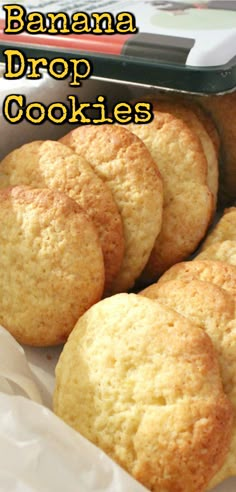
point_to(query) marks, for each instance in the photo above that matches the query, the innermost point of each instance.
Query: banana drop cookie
(188, 202)
(225, 229)
(203, 115)
(214, 310)
(216, 272)
(221, 251)
(207, 122)
(51, 265)
(123, 162)
(143, 384)
(50, 164)
(203, 128)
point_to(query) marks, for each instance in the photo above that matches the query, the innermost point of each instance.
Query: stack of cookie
(140, 389)
(149, 410)
(184, 147)
(145, 409)
(87, 237)
(221, 110)
(204, 291)
(149, 378)
(149, 192)
(124, 163)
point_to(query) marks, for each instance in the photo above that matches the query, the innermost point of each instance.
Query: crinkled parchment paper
(38, 452)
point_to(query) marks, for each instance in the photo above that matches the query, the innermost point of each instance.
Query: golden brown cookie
(215, 272)
(196, 121)
(126, 166)
(51, 265)
(222, 251)
(188, 202)
(225, 229)
(208, 124)
(222, 109)
(202, 114)
(119, 382)
(52, 165)
(214, 310)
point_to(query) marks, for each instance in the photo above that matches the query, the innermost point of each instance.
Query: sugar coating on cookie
(124, 163)
(215, 272)
(188, 203)
(225, 229)
(119, 382)
(51, 265)
(214, 310)
(49, 164)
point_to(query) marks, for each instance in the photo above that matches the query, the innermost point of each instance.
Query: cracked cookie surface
(143, 383)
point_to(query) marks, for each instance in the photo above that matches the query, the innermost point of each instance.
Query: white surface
(38, 452)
